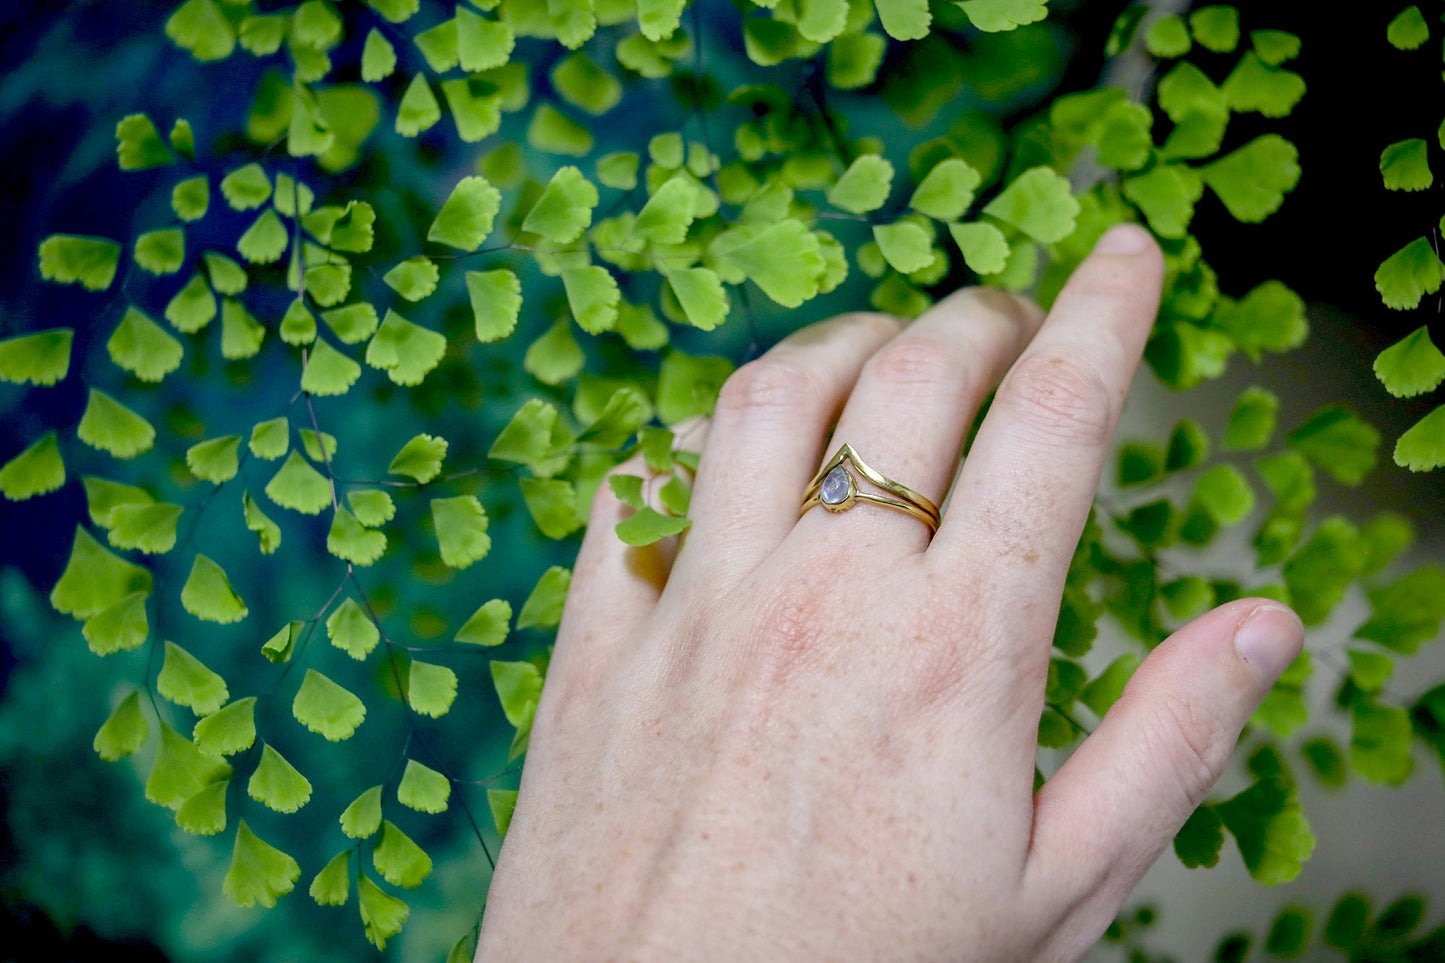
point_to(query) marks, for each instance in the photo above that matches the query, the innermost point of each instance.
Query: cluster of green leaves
(1413, 365)
(614, 254)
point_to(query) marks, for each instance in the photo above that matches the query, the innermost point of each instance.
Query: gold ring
(837, 490)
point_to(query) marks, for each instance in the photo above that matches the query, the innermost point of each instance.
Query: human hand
(814, 738)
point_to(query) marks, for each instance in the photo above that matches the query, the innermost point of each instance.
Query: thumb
(1103, 819)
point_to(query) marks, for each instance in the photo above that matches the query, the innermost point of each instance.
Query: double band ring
(835, 488)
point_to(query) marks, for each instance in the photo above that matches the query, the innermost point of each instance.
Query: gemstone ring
(836, 489)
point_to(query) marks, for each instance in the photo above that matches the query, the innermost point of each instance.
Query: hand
(813, 738)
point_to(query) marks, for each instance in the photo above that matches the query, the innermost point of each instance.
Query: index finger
(1028, 482)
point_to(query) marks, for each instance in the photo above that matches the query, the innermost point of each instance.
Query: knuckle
(1062, 397)
(768, 385)
(792, 633)
(915, 361)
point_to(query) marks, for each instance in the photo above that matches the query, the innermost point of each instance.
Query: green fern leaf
(995, 16)
(112, 427)
(144, 348)
(277, 784)
(327, 708)
(1336, 440)
(350, 541)
(121, 627)
(299, 487)
(502, 803)
(227, 731)
(269, 439)
(399, 860)
(139, 145)
(1270, 827)
(200, 27)
(784, 259)
(226, 275)
(242, 334)
(1216, 28)
(419, 109)
(281, 646)
(947, 191)
(1039, 203)
(193, 306)
(461, 530)
(552, 503)
(421, 788)
(378, 58)
(1168, 37)
(406, 352)
(864, 186)
(38, 470)
(1422, 446)
(94, 579)
(267, 532)
(382, 915)
(352, 323)
(123, 732)
(564, 209)
(543, 607)
(1409, 274)
(215, 460)
(208, 594)
(1252, 180)
(420, 458)
(1408, 30)
(1254, 85)
(332, 886)
(180, 771)
(905, 19)
(487, 625)
(362, 818)
(579, 81)
(592, 294)
(246, 187)
(466, 218)
(476, 108)
(556, 356)
(149, 528)
(1252, 420)
(265, 240)
(191, 198)
(74, 259)
(350, 629)
(1411, 366)
(668, 213)
(482, 44)
(259, 872)
(496, 299)
(328, 371)
(42, 358)
(985, 250)
(103, 496)
(186, 681)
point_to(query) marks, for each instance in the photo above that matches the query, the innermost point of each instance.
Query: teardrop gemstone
(835, 486)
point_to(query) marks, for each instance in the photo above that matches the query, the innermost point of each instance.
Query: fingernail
(1124, 239)
(1269, 638)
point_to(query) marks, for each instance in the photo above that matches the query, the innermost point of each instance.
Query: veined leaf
(519, 686)
(419, 109)
(688, 385)
(1216, 28)
(1273, 835)
(985, 250)
(150, 528)
(536, 438)
(1422, 446)
(461, 529)
(139, 145)
(352, 323)
(327, 708)
(363, 817)
(906, 246)
(267, 532)
(1252, 180)
(144, 348)
(864, 186)
(701, 294)
(1338, 442)
(208, 594)
(112, 427)
(246, 187)
(1408, 30)
(241, 334)
(371, 507)
(592, 294)
(228, 730)
(269, 439)
(556, 356)
(123, 732)
(947, 191)
(192, 305)
(118, 628)
(496, 299)
(378, 57)
(1252, 420)
(94, 579)
(579, 81)
(351, 541)
(186, 681)
(466, 218)
(668, 213)
(200, 27)
(552, 503)
(1039, 203)
(226, 275)
(42, 358)
(180, 771)
(299, 487)
(784, 259)
(646, 525)
(37, 470)
(350, 629)
(543, 607)
(502, 803)
(995, 16)
(215, 460)
(1411, 366)
(265, 240)
(259, 872)
(420, 458)
(406, 352)
(400, 861)
(423, 789)
(564, 209)
(382, 915)
(74, 259)
(191, 198)
(1409, 274)
(905, 19)
(277, 784)
(328, 371)
(487, 625)
(332, 886)
(482, 44)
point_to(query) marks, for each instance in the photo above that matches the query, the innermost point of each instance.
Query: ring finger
(914, 401)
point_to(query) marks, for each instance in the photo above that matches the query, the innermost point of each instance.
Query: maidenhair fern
(692, 173)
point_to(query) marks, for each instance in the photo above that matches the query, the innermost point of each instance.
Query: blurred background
(87, 866)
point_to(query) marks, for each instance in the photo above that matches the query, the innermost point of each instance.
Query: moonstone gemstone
(835, 486)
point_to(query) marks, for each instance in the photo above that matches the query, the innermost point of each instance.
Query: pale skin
(814, 738)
